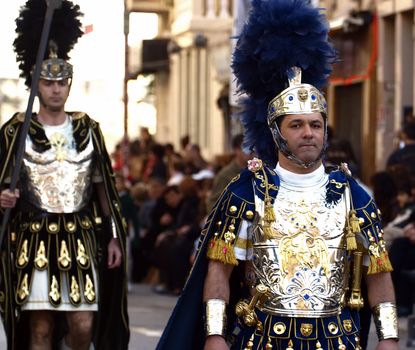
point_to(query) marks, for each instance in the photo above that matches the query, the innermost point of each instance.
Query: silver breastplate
(59, 179)
(304, 266)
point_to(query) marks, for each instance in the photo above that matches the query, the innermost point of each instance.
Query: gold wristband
(215, 322)
(386, 321)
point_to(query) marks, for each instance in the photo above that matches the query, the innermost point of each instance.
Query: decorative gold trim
(81, 255)
(64, 257)
(306, 329)
(54, 293)
(75, 293)
(279, 328)
(41, 261)
(348, 325)
(23, 258)
(89, 289)
(23, 291)
(242, 243)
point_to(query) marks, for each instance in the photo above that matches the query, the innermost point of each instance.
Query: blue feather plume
(279, 34)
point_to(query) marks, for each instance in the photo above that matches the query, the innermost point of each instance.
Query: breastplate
(57, 180)
(305, 265)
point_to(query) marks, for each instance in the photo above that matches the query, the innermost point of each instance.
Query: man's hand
(114, 254)
(8, 198)
(388, 344)
(215, 342)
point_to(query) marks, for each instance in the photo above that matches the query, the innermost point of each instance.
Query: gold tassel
(269, 214)
(379, 264)
(351, 243)
(268, 232)
(354, 222)
(219, 250)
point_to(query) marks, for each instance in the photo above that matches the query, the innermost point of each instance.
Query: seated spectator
(174, 246)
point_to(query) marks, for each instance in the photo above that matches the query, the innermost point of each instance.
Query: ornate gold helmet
(54, 68)
(283, 42)
(298, 98)
(65, 30)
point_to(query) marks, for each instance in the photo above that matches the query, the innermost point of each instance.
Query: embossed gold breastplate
(305, 264)
(58, 180)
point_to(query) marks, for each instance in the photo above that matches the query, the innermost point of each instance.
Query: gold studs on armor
(81, 256)
(290, 345)
(279, 328)
(41, 261)
(23, 259)
(233, 209)
(306, 329)
(318, 345)
(250, 343)
(64, 258)
(75, 293)
(35, 226)
(89, 289)
(54, 293)
(268, 346)
(347, 324)
(53, 227)
(341, 345)
(249, 214)
(333, 328)
(23, 291)
(70, 227)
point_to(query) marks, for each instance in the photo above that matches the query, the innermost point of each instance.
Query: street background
(149, 313)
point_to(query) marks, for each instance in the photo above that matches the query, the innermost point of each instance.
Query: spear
(51, 6)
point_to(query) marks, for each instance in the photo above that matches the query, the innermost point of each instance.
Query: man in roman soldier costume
(283, 252)
(63, 280)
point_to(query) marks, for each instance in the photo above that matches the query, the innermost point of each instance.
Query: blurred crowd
(166, 195)
(394, 192)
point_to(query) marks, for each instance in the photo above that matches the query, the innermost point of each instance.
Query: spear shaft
(51, 6)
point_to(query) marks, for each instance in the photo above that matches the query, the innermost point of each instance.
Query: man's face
(53, 94)
(304, 134)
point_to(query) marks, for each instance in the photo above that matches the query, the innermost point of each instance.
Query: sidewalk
(149, 313)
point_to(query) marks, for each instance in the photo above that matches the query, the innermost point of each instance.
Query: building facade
(370, 91)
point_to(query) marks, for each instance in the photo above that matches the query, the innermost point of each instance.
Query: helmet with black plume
(64, 33)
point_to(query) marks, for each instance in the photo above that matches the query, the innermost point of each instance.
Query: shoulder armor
(369, 217)
(77, 115)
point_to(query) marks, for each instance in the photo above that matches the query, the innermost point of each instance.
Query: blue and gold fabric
(236, 206)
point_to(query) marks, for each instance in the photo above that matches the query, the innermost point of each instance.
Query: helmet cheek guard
(298, 98)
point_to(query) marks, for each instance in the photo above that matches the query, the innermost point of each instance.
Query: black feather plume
(65, 31)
